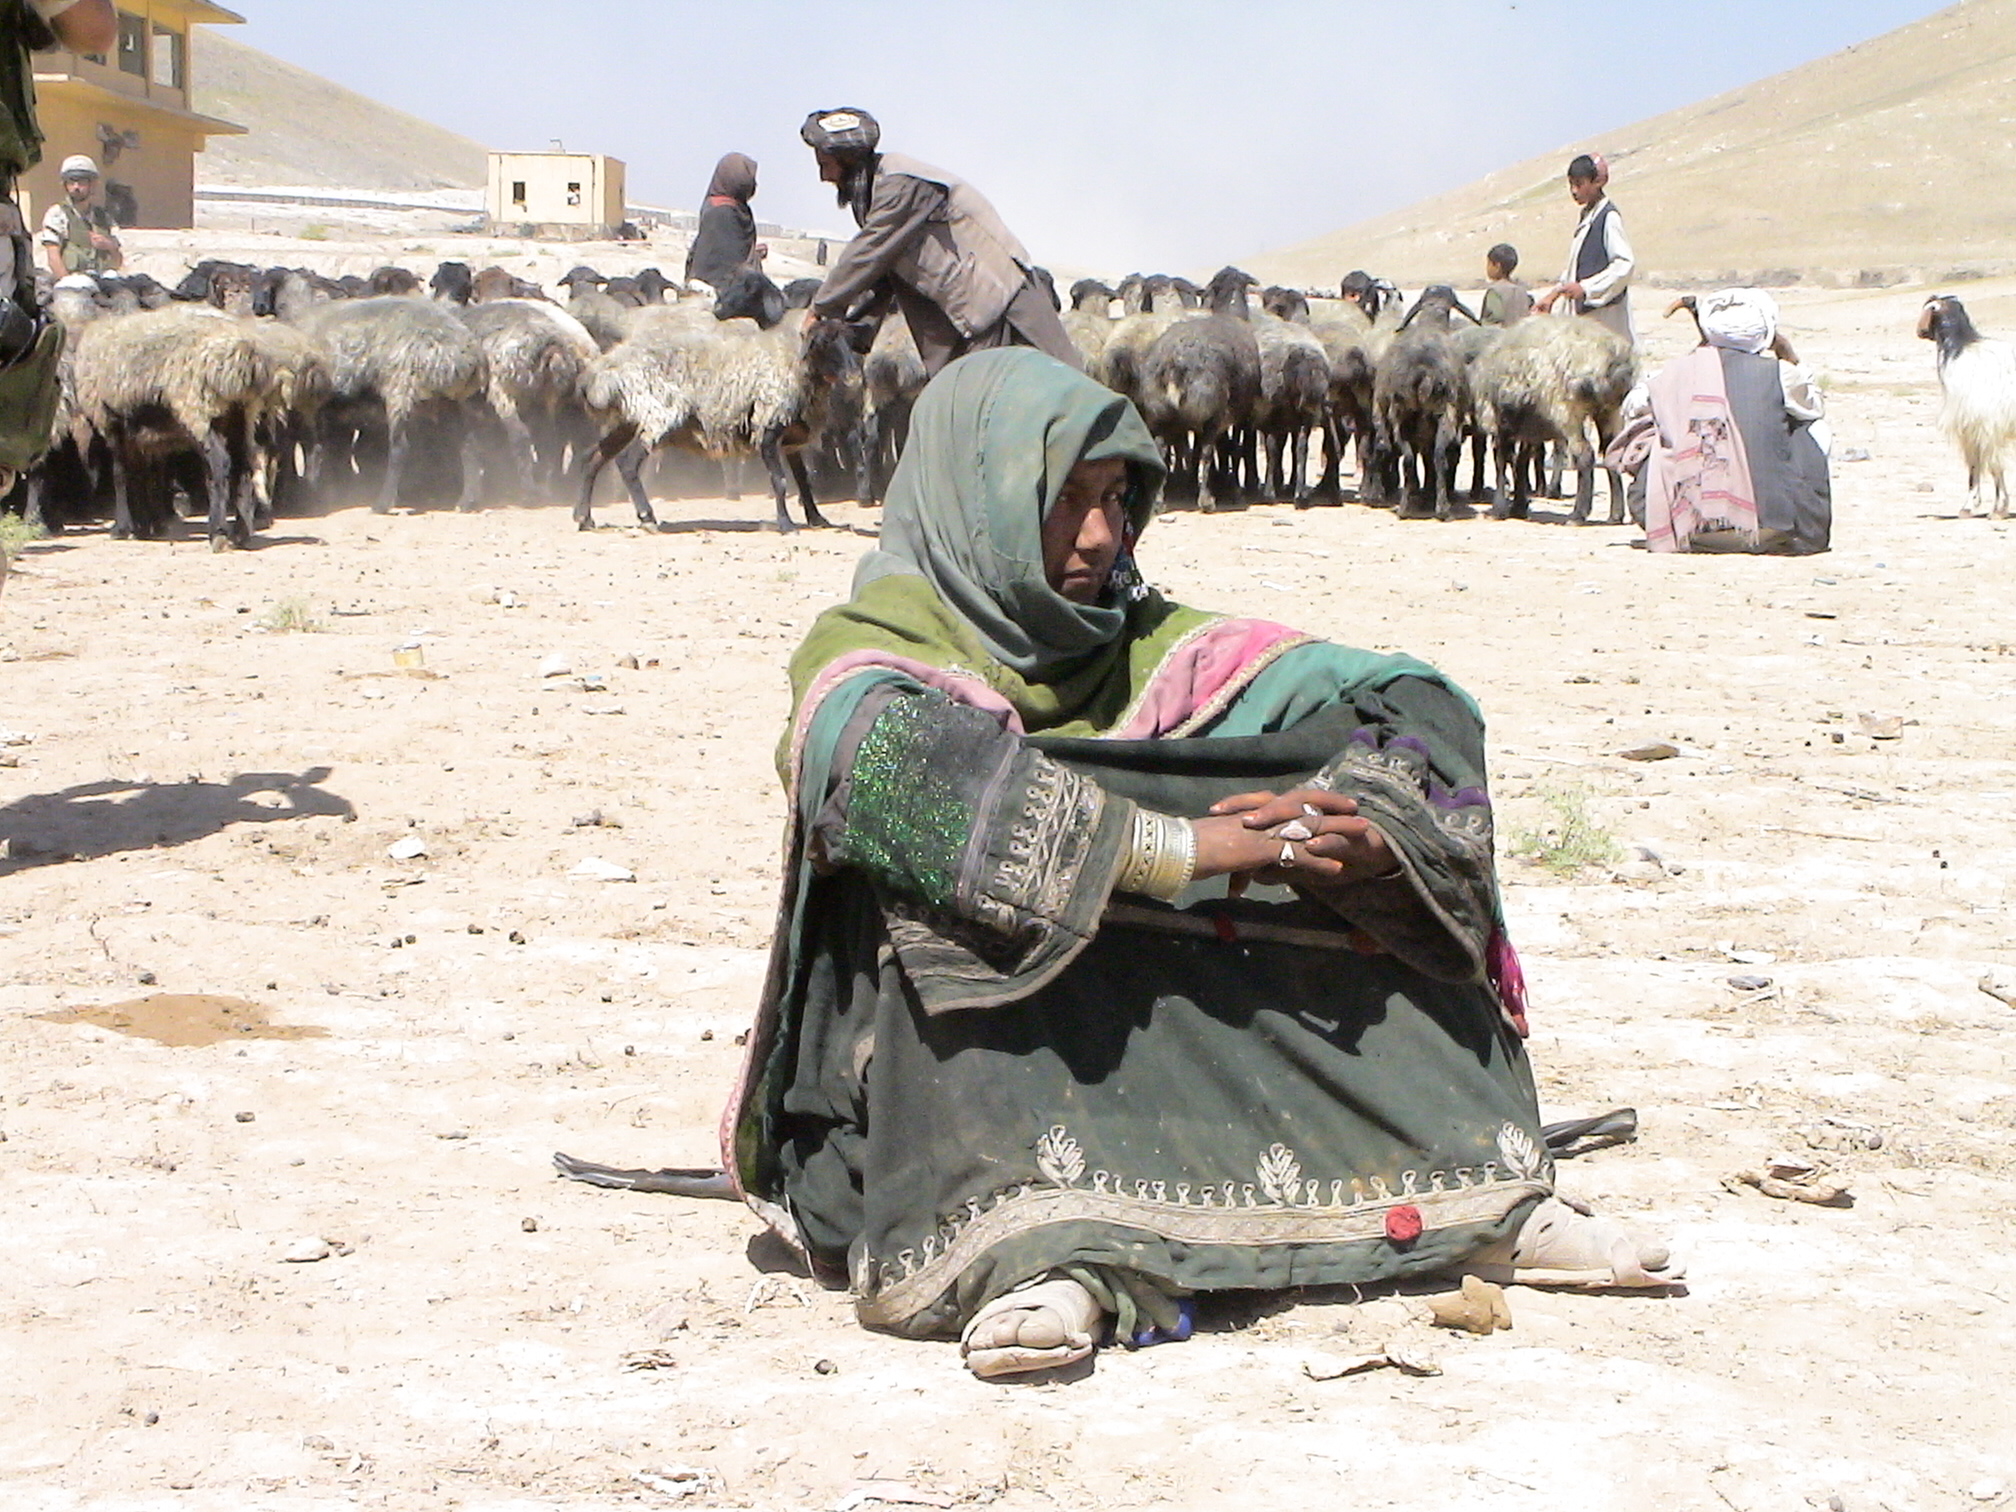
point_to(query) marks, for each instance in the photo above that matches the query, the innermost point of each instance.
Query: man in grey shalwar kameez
(931, 243)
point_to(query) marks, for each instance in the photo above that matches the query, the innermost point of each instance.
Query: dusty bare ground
(207, 805)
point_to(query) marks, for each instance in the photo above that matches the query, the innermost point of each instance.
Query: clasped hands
(1310, 837)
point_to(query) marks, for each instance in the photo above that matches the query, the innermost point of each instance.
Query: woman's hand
(1313, 838)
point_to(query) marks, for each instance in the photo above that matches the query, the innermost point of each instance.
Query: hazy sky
(1111, 134)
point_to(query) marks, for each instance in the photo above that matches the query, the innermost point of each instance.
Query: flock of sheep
(242, 386)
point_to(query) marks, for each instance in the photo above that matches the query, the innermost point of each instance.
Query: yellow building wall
(76, 95)
(161, 171)
(551, 196)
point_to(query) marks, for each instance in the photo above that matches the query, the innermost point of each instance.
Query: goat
(1550, 379)
(1977, 376)
(1420, 396)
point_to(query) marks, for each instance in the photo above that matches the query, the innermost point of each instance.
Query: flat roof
(58, 84)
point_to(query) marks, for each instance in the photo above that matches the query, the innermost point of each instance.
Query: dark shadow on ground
(103, 818)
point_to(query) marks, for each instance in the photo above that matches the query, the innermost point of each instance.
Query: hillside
(308, 132)
(1889, 160)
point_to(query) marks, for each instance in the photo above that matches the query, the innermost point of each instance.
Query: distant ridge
(1888, 161)
(310, 133)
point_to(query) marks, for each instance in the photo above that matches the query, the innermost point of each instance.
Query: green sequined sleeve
(993, 861)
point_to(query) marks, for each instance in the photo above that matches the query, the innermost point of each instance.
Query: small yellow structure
(129, 109)
(575, 196)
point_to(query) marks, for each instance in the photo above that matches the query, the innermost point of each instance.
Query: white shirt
(1615, 275)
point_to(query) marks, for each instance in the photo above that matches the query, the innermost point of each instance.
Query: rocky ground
(289, 1240)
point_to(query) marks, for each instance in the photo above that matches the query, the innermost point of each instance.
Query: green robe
(977, 1062)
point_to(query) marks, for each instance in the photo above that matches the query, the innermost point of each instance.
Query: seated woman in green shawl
(1127, 951)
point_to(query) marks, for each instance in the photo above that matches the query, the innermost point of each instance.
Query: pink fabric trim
(1698, 476)
(1201, 668)
(1501, 965)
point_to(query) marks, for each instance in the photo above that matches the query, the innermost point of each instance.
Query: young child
(1506, 299)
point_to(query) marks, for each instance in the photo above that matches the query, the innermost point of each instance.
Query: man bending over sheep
(931, 243)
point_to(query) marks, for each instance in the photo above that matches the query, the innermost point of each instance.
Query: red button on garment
(1403, 1223)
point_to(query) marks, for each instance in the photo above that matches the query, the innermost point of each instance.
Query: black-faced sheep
(1977, 376)
(1089, 321)
(1200, 382)
(535, 356)
(1294, 391)
(404, 359)
(1420, 396)
(166, 382)
(733, 389)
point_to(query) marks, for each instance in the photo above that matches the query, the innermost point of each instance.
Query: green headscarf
(991, 443)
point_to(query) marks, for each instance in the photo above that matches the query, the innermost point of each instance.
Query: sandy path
(229, 793)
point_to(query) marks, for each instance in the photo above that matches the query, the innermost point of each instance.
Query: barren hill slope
(1888, 159)
(306, 131)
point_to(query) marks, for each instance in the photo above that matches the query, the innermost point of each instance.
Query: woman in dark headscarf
(724, 242)
(1126, 951)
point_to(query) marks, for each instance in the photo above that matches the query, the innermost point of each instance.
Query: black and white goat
(1978, 377)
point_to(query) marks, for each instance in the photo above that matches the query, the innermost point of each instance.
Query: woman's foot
(1040, 1325)
(1562, 1243)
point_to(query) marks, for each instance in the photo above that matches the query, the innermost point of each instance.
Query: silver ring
(1287, 854)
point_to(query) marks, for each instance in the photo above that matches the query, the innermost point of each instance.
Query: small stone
(1658, 751)
(826, 1367)
(147, 979)
(1855, 454)
(410, 848)
(2000, 984)
(1986, 1490)
(627, 663)
(318, 1443)
(530, 1225)
(516, 938)
(245, 1117)
(706, 1035)
(151, 1419)
(556, 665)
(306, 1251)
(595, 869)
(1749, 983)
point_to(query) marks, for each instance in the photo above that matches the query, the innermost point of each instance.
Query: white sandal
(1563, 1243)
(1072, 1319)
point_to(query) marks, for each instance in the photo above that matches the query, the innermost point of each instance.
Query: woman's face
(1084, 531)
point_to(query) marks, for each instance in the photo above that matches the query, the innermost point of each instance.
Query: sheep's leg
(396, 441)
(1330, 486)
(617, 441)
(731, 477)
(772, 450)
(1618, 512)
(469, 416)
(1274, 489)
(1585, 480)
(122, 484)
(1476, 461)
(1298, 466)
(217, 475)
(806, 500)
(1206, 445)
(1447, 459)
